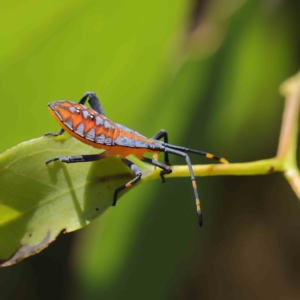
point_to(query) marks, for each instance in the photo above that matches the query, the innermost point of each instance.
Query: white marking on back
(58, 114)
(72, 109)
(80, 129)
(90, 135)
(85, 114)
(100, 139)
(108, 141)
(99, 121)
(108, 126)
(69, 123)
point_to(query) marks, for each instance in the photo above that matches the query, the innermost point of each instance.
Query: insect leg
(94, 102)
(60, 132)
(158, 136)
(166, 169)
(163, 134)
(206, 154)
(77, 158)
(188, 161)
(136, 171)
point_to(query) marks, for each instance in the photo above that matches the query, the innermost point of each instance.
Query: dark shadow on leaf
(103, 178)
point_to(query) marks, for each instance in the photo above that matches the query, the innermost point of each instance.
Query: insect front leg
(136, 171)
(60, 132)
(77, 158)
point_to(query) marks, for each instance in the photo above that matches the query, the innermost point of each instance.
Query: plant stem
(260, 167)
(285, 160)
(287, 148)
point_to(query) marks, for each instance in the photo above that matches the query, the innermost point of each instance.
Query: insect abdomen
(83, 123)
(95, 129)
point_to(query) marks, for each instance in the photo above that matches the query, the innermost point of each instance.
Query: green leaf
(39, 201)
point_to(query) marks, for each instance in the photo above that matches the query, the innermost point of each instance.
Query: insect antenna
(202, 153)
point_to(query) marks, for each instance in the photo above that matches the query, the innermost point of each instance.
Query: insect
(90, 126)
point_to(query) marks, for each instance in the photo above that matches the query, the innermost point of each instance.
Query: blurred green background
(206, 71)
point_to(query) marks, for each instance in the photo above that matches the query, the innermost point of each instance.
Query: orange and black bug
(92, 127)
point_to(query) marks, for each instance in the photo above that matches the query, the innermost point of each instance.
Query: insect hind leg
(136, 171)
(194, 184)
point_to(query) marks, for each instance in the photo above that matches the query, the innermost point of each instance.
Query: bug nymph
(90, 126)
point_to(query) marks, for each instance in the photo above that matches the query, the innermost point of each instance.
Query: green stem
(260, 167)
(285, 160)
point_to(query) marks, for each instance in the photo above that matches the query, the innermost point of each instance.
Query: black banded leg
(60, 132)
(158, 136)
(202, 153)
(188, 161)
(77, 158)
(136, 171)
(94, 102)
(166, 169)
